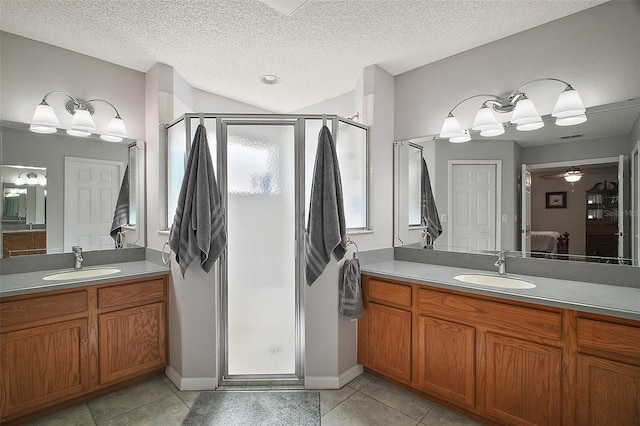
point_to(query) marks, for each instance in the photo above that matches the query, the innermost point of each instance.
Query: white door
(525, 215)
(90, 191)
(473, 206)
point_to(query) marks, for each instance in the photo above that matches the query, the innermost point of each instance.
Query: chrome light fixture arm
(106, 102)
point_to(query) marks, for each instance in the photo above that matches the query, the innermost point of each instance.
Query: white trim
(191, 384)
(498, 218)
(635, 192)
(350, 374)
(322, 382)
(332, 382)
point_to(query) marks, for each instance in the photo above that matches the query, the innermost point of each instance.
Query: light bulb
(525, 112)
(484, 119)
(568, 104)
(450, 127)
(82, 122)
(44, 119)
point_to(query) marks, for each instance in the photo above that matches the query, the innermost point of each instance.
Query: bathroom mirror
(594, 146)
(84, 177)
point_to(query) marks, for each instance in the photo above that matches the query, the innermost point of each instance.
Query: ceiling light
(572, 176)
(270, 79)
(82, 125)
(569, 110)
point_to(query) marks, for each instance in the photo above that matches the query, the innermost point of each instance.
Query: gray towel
(350, 290)
(198, 225)
(326, 230)
(429, 211)
(121, 213)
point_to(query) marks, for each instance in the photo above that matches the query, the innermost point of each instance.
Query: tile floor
(157, 402)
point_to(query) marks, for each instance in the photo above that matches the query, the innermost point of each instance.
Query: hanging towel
(121, 213)
(326, 230)
(198, 225)
(429, 211)
(350, 290)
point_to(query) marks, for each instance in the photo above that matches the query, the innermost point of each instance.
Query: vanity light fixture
(82, 125)
(32, 178)
(568, 111)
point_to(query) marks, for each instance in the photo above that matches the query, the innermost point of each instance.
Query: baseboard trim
(350, 374)
(190, 383)
(333, 382)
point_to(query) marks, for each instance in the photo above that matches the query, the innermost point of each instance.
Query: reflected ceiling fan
(571, 175)
(574, 174)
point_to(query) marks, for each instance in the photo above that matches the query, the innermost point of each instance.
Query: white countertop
(623, 302)
(32, 282)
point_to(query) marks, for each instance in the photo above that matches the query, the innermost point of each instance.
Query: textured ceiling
(224, 46)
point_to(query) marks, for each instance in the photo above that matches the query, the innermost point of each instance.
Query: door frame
(498, 193)
(534, 167)
(297, 379)
(634, 203)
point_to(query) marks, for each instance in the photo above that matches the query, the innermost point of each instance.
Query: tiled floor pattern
(157, 402)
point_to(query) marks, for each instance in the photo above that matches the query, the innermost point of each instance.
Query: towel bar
(349, 242)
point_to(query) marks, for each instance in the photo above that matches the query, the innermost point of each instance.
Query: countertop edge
(136, 269)
(503, 293)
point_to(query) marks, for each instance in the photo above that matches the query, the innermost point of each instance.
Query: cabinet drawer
(486, 315)
(131, 294)
(33, 309)
(388, 293)
(621, 340)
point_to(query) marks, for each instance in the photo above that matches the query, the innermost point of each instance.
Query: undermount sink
(81, 273)
(494, 281)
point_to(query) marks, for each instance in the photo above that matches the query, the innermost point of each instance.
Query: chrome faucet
(77, 254)
(501, 263)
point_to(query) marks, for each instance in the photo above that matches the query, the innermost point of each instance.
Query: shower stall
(264, 166)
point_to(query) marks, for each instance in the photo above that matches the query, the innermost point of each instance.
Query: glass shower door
(261, 325)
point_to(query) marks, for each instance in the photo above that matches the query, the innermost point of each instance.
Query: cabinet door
(608, 392)
(389, 341)
(522, 381)
(132, 341)
(446, 359)
(42, 365)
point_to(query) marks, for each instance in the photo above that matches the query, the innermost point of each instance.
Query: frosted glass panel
(351, 144)
(176, 144)
(261, 273)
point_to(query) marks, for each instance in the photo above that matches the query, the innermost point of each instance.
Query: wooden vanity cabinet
(387, 324)
(512, 363)
(608, 372)
(24, 243)
(65, 345)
